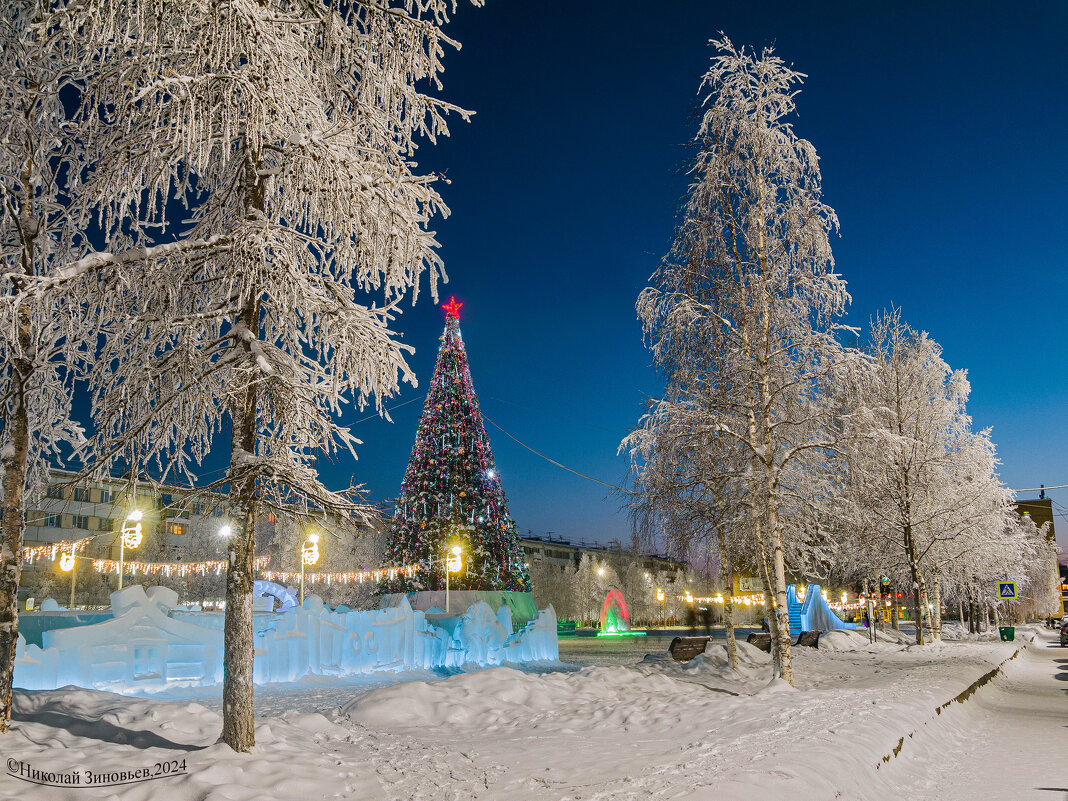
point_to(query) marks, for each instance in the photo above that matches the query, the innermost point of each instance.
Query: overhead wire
(553, 461)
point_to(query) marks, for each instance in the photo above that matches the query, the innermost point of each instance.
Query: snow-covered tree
(287, 129)
(554, 584)
(752, 260)
(926, 496)
(44, 58)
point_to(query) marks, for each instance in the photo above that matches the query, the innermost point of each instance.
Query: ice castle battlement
(151, 644)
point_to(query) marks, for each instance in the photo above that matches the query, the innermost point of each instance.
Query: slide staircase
(811, 612)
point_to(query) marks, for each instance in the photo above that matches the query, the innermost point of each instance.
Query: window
(54, 492)
(167, 499)
(51, 521)
(81, 521)
(105, 496)
(176, 529)
(107, 524)
(81, 494)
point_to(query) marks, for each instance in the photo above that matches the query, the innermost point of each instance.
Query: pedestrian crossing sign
(1007, 590)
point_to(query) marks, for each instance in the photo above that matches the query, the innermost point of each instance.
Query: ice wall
(149, 645)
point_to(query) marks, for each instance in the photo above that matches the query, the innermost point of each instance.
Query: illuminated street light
(130, 537)
(67, 563)
(309, 555)
(453, 564)
(225, 532)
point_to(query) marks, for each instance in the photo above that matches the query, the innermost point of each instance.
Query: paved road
(1008, 741)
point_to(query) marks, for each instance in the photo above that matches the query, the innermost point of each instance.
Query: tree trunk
(14, 457)
(895, 611)
(919, 590)
(769, 605)
(728, 605)
(238, 711)
(14, 520)
(936, 627)
(238, 652)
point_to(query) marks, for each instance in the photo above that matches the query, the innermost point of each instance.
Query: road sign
(1007, 590)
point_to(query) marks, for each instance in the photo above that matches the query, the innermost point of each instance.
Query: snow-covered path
(1008, 741)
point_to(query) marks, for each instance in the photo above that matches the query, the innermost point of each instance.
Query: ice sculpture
(808, 611)
(150, 644)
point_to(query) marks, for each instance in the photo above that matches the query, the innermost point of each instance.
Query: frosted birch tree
(44, 57)
(686, 488)
(757, 230)
(924, 483)
(287, 129)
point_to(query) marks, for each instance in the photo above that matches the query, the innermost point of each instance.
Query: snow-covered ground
(653, 729)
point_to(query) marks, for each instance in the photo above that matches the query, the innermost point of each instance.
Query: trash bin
(1008, 633)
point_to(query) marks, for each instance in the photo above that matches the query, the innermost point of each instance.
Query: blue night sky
(941, 132)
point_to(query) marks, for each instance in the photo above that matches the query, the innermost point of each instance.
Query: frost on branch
(288, 132)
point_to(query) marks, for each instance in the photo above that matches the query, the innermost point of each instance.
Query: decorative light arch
(614, 615)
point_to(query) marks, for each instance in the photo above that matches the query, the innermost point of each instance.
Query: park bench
(683, 649)
(810, 639)
(565, 626)
(760, 640)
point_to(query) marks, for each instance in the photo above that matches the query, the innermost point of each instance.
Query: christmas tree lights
(452, 493)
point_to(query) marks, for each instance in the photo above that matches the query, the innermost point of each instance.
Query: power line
(553, 461)
(1039, 489)
(390, 409)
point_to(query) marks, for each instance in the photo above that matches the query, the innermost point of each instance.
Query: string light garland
(348, 577)
(216, 566)
(54, 549)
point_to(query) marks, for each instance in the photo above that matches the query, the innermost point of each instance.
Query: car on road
(1064, 630)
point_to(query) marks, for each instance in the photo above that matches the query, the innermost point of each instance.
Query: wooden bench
(810, 639)
(760, 640)
(683, 649)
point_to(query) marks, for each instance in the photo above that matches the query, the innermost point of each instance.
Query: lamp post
(130, 537)
(68, 564)
(309, 555)
(453, 564)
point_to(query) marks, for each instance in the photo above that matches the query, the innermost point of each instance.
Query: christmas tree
(452, 494)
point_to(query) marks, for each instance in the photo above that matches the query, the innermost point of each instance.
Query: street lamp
(454, 563)
(662, 599)
(130, 537)
(225, 531)
(309, 555)
(68, 563)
